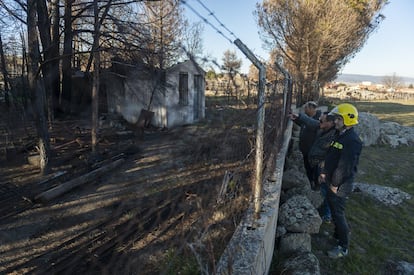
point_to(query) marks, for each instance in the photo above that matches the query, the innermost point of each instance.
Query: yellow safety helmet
(348, 112)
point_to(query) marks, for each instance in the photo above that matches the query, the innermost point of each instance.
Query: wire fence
(170, 207)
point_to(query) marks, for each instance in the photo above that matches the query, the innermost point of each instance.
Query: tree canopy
(317, 38)
(231, 64)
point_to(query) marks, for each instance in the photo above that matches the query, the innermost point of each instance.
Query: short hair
(311, 104)
(330, 118)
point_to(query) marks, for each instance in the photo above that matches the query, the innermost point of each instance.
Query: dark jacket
(308, 128)
(341, 161)
(321, 145)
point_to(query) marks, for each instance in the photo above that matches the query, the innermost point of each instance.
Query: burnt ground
(156, 212)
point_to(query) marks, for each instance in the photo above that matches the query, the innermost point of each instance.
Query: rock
(301, 263)
(393, 140)
(399, 268)
(395, 134)
(292, 178)
(372, 131)
(295, 242)
(384, 194)
(368, 128)
(298, 215)
(280, 231)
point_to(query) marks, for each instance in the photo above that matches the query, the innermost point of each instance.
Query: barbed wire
(185, 2)
(215, 17)
(206, 21)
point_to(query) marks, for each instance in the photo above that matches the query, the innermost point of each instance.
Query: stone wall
(250, 250)
(290, 215)
(298, 217)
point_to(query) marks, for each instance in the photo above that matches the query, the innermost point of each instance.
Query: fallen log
(63, 145)
(52, 177)
(104, 162)
(223, 190)
(67, 186)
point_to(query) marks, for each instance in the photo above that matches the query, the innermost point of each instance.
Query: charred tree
(36, 88)
(67, 58)
(50, 66)
(5, 74)
(95, 86)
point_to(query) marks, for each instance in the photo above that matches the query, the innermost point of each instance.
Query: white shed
(175, 96)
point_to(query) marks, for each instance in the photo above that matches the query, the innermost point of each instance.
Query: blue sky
(389, 50)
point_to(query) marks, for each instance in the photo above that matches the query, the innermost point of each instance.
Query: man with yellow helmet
(339, 171)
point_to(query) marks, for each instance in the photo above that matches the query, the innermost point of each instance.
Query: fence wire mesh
(169, 208)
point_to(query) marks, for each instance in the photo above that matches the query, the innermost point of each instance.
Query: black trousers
(308, 168)
(337, 205)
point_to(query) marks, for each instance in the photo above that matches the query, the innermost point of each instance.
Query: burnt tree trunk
(95, 87)
(96, 57)
(69, 185)
(55, 54)
(35, 88)
(5, 75)
(50, 67)
(67, 58)
(25, 70)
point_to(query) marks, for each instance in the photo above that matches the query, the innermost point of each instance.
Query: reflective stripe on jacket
(341, 161)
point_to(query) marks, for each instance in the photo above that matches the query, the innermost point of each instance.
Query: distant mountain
(358, 78)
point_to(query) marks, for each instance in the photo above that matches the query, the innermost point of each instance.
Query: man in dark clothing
(339, 171)
(307, 133)
(317, 153)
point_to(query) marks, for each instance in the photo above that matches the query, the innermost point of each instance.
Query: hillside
(358, 78)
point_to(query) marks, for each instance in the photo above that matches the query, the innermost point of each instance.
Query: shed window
(183, 89)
